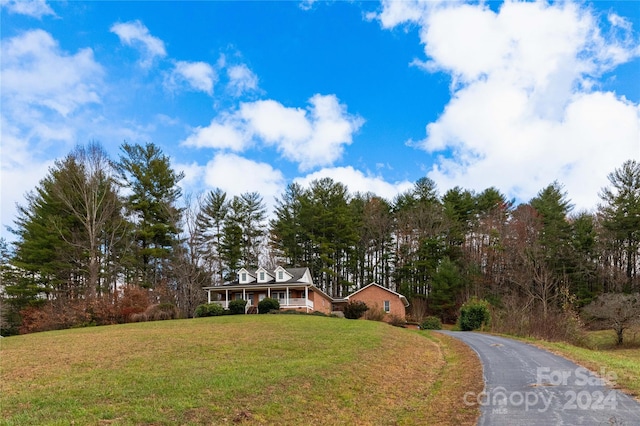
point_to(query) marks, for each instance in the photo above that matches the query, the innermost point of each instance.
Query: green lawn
(253, 369)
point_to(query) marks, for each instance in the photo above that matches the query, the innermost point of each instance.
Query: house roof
(402, 298)
(297, 274)
(297, 277)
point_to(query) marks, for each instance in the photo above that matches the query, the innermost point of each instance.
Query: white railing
(293, 303)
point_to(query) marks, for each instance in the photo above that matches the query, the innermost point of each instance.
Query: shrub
(431, 323)
(397, 321)
(474, 314)
(267, 305)
(209, 310)
(237, 306)
(162, 311)
(133, 300)
(375, 314)
(139, 317)
(355, 309)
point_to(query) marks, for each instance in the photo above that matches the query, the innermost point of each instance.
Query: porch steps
(252, 310)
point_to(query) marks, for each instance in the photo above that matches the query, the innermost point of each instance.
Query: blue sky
(250, 96)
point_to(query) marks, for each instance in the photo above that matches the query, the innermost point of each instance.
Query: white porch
(254, 295)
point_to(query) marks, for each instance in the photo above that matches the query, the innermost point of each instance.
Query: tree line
(99, 240)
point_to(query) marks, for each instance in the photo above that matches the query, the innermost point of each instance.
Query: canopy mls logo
(544, 395)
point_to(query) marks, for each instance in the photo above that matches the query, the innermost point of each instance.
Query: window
(243, 277)
(387, 306)
(261, 276)
(280, 275)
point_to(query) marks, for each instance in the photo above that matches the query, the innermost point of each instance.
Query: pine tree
(210, 223)
(620, 213)
(153, 185)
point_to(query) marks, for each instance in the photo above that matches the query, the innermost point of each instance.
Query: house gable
(365, 289)
(282, 275)
(264, 276)
(246, 277)
(388, 300)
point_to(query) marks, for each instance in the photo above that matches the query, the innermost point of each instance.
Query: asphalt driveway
(525, 385)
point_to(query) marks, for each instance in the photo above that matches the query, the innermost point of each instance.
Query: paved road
(525, 385)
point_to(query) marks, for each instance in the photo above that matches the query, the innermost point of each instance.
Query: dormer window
(280, 276)
(243, 277)
(261, 276)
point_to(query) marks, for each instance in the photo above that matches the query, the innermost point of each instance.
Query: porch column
(306, 298)
(286, 297)
(244, 297)
(208, 296)
(226, 298)
(269, 292)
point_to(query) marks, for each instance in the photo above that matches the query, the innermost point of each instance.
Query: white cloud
(224, 132)
(306, 4)
(27, 77)
(237, 175)
(357, 181)
(241, 79)
(136, 35)
(524, 109)
(40, 108)
(199, 76)
(34, 8)
(312, 137)
(399, 12)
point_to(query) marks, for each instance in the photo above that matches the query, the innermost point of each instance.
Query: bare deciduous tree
(617, 311)
(86, 190)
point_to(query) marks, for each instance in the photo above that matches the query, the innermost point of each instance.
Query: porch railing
(299, 302)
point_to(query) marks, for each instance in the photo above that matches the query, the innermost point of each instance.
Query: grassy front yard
(255, 369)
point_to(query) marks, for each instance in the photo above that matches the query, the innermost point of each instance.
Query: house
(294, 290)
(378, 297)
(292, 287)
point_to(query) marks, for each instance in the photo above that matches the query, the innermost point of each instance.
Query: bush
(431, 323)
(355, 309)
(209, 310)
(397, 321)
(375, 314)
(474, 314)
(162, 311)
(267, 305)
(237, 306)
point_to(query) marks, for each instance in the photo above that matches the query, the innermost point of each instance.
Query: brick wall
(375, 296)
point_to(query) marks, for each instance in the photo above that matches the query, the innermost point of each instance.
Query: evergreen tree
(151, 204)
(620, 213)
(553, 208)
(330, 234)
(373, 252)
(584, 275)
(459, 208)
(419, 234)
(251, 219)
(232, 241)
(210, 224)
(444, 297)
(287, 235)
